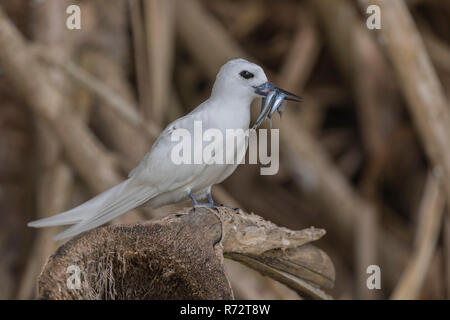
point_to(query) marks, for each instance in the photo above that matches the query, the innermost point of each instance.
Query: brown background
(364, 156)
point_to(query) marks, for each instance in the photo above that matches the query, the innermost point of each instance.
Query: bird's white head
(238, 79)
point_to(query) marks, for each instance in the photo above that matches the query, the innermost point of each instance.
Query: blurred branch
(89, 158)
(428, 228)
(116, 134)
(121, 106)
(188, 248)
(362, 62)
(438, 49)
(97, 167)
(140, 55)
(418, 80)
(160, 25)
(298, 65)
(53, 191)
(55, 178)
(204, 37)
(302, 56)
(363, 66)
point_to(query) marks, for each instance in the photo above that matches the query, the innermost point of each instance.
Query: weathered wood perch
(181, 257)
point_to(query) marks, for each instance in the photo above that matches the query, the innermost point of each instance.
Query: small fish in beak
(266, 106)
(273, 98)
(277, 105)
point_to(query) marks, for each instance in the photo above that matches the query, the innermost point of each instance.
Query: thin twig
(430, 217)
(159, 22)
(140, 54)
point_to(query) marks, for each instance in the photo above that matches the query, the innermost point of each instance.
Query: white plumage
(157, 181)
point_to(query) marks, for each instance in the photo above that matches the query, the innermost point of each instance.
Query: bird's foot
(210, 204)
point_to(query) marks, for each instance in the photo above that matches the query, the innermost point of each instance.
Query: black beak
(265, 88)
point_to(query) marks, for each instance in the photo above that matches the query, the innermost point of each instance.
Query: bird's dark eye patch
(246, 74)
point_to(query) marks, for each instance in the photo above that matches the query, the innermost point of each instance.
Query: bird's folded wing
(157, 168)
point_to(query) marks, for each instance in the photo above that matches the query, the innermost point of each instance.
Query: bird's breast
(230, 116)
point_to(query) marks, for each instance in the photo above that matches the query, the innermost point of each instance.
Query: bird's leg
(198, 204)
(191, 196)
(210, 199)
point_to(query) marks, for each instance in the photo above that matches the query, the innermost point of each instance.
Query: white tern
(157, 180)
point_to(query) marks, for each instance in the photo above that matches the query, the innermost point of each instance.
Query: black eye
(246, 75)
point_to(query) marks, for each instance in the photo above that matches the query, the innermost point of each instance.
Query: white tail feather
(99, 210)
